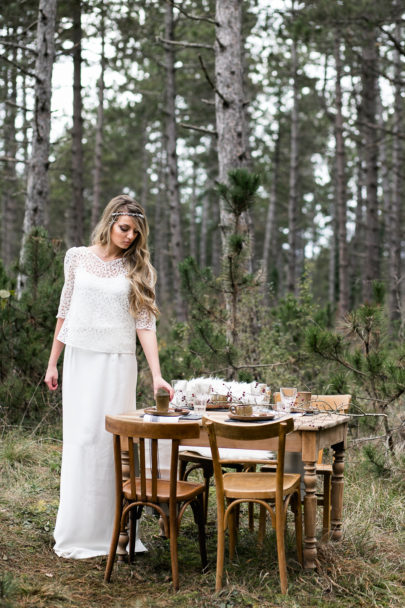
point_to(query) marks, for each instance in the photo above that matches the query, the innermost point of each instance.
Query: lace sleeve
(66, 295)
(145, 320)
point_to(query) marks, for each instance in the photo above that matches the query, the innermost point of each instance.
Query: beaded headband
(128, 213)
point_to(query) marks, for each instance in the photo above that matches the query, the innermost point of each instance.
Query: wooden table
(311, 434)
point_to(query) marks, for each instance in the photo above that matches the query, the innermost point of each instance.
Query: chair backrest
(337, 403)
(130, 429)
(246, 435)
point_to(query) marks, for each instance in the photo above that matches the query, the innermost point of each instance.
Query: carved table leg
(122, 553)
(310, 501)
(337, 491)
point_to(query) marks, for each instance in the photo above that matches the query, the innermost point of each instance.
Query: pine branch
(201, 129)
(212, 85)
(15, 45)
(193, 17)
(16, 65)
(185, 44)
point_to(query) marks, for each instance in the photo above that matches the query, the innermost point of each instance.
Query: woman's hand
(158, 382)
(51, 378)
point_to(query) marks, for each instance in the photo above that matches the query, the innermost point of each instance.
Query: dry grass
(365, 569)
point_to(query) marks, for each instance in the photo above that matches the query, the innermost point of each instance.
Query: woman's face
(123, 232)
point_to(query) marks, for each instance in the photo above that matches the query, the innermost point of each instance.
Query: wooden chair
(331, 403)
(272, 491)
(148, 490)
(190, 461)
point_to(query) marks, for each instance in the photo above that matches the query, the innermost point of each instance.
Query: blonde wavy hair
(141, 273)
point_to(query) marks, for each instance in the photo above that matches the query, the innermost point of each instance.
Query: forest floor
(367, 568)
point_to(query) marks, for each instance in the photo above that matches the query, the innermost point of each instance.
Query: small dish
(170, 412)
(254, 418)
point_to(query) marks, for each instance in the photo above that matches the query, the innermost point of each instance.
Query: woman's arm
(148, 341)
(51, 376)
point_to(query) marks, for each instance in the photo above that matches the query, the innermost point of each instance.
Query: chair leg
(282, 565)
(182, 469)
(173, 548)
(327, 489)
(132, 534)
(208, 473)
(262, 526)
(251, 518)
(297, 509)
(220, 553)
(232, 530)
(114, 543)
(198, 512)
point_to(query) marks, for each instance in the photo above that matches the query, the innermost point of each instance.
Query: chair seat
(185, 490)
(257, 485)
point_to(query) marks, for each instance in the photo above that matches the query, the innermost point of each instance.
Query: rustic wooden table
(311, 434)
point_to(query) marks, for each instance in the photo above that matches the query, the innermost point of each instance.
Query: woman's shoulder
(75, 254)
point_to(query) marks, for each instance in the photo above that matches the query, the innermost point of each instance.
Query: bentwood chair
(274, 492)
(163, 495)
(338, 404)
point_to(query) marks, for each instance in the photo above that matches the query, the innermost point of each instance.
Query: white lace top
(95, 305)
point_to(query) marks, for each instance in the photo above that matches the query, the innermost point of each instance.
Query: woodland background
(265, 140)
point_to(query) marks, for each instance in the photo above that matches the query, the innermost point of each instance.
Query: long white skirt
(94, 384)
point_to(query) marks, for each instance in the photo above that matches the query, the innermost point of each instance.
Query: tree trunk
(161, 240)
(204, 231)
(356, 244)
(369, 109)
(341, 189)
(143, 196)
(193, 209)
(232, 143)
(75, 228)
(98, 148)
(8, 195)
(38, 179)
(293, 181)
(173, 193)
(395, 219)
(385, 161)
(269, 235)
(332, 257)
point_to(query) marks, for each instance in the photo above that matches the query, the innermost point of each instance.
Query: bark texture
(173, 192)
(394, 221)
(341, 189)
(232, 143)
(38, 179)
(9, 177)
(269, 235)
(293, 181)
(75, 227)
(369, 109)
(98, 147)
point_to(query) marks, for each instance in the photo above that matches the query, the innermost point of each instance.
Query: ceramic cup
(241, 410)
(162, 400)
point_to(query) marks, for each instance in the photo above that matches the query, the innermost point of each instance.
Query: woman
(108, 298)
